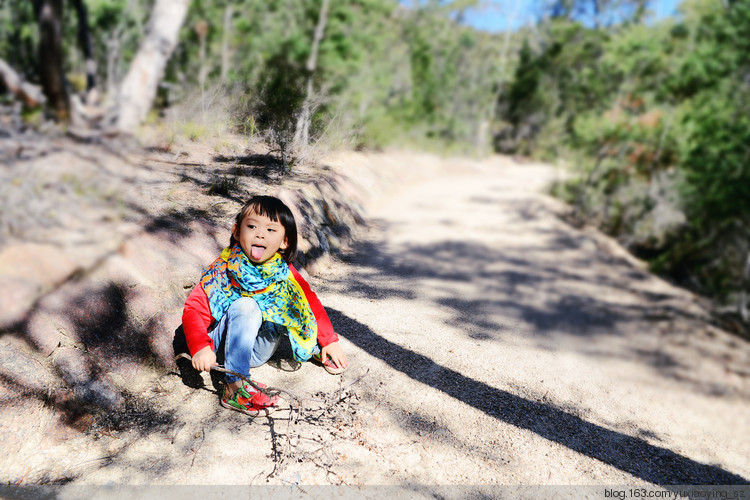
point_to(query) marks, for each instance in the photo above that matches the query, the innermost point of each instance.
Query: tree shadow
(84, 327)
(94, 333)
(190, 376)
(101, 329)
(491, 272)
(101, 342)
(526, 289)
(630, 454)
(268, 167)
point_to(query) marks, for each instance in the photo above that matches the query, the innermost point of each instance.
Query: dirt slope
(496, 343)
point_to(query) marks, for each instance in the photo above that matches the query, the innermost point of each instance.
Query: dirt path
(513, 348)
(500, 346)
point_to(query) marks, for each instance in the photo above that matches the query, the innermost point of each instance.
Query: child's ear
(284, 244)
(236, 232)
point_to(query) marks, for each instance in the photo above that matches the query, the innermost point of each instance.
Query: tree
(599, 13)
(139, 87)
(49, 16)
(87, 44)
(302, 132)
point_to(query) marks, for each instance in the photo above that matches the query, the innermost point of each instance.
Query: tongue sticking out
(257, 252)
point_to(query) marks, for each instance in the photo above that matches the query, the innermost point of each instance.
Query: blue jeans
(242, 340)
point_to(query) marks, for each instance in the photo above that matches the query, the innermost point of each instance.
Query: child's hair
(274, 209)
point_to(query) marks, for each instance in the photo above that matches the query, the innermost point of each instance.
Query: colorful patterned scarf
(273, 287)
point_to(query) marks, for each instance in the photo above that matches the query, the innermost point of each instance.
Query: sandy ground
(491, 342)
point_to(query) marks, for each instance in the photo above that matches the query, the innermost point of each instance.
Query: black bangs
(267, 206)
(277, 211)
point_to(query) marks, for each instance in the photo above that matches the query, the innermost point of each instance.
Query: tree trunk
(745, 284)
(49, 17)
(138, 90)
(302, 131)
(85, 39)
(113, 43)
(201, 29)
(228, 13)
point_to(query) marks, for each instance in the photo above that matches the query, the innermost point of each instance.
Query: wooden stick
(268, 391)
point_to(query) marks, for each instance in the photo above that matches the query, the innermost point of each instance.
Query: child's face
(260, 237)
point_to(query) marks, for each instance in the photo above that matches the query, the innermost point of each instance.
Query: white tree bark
(30, 94)
(139, 87)
(302, 130)
(201, 30)
(228, 13)
(113, 55)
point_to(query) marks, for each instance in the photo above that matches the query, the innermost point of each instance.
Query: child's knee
(246, 308)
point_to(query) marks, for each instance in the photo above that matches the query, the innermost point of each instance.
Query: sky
(501, 14)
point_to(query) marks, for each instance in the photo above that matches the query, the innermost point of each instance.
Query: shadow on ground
(525, 288)
(630, 454)
(83, 350)
(268, 167)
(138, 228)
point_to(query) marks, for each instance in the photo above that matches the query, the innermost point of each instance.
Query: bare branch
(31, 95)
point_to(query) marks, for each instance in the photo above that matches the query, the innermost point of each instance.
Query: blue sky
(498, 15)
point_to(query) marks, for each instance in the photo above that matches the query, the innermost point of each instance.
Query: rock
(23, 371)
(17, 298)
(43, 330)
(323, 241)
(143, 302)
(148, 254)
(42, 264)
(27, 271)
(119, 270)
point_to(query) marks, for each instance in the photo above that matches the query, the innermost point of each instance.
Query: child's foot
(249, 400)
(329, 365)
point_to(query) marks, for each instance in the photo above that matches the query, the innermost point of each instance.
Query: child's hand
(336, 353)
(204, 359)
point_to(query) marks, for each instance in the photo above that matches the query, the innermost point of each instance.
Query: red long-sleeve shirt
(197, 319)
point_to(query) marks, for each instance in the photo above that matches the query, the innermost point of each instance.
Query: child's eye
(251, 226)
(271, 230)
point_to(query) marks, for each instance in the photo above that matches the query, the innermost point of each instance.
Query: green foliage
(194, 131)
(656, 115)
(424, 80)
(382, 68)
(659, 117)
(567, 78)
(525, 96)
(116, 26)
(717, 158)
(18, 43)
(279, 100)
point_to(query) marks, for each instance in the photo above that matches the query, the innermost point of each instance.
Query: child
(249, 297)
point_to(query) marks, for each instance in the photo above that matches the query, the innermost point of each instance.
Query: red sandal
(329, 365)
(248, 400)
